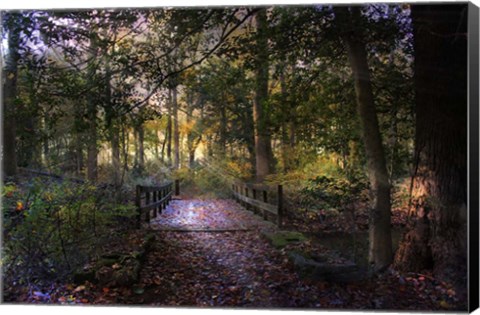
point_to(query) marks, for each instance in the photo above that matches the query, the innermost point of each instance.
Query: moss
(283, 238)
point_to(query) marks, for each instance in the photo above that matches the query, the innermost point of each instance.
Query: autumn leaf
(20, 206)
(48, 196)
(79, 288)
(116, 266)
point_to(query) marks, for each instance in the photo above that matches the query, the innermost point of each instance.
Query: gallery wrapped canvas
(301, 157)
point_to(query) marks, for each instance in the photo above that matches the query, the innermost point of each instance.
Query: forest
(262, 156)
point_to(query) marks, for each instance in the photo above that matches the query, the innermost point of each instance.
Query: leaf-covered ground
(213, 214)
(209, 253)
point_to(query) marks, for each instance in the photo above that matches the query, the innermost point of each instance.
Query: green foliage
(51, 229)
(327, 192)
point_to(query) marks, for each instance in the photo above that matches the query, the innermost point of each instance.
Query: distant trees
(11, 24)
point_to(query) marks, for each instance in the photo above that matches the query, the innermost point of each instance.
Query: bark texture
(380, 239)
(141, 147)
(438, 238)
(262, 136)
(176, 132)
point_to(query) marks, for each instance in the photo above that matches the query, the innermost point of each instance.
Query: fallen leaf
(444, 304)
(79, 288)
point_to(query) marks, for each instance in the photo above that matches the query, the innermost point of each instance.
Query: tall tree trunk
(163, 144)
(380, 246)
(31, 148)
(192, 134)
(141, 149)
(262, 137)
(169, 128)
(438, 238)
(157, 142)
(92, 150)
(135, 144)
(79, 155)
(9, 96)
(78, 137)
(124, 146)
(285, 119)
(223, 128)
(115, 144)
(112, 126)
(176, 133)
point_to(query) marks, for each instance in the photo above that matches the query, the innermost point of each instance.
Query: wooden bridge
(264, 200)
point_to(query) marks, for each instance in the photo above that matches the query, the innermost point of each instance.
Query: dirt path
(237, 268)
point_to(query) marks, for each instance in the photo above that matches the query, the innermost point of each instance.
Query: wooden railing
(261, 199)
(154, 198)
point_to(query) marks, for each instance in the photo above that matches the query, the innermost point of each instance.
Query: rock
(116, 268)
(324, 271)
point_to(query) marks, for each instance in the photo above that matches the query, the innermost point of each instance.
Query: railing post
(164, 194)
(264, 213)
(155, 201)
(254, 196)
(160, 208)
(177, 187)
(280, 205)
(147, 202)
(138, 192)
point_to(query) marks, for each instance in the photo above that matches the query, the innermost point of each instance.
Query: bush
(337, 193)
(52, 229)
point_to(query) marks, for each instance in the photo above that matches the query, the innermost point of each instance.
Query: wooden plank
(155, 188)
(201, 230)
(257, 186)
(156, 204)
(257, 203)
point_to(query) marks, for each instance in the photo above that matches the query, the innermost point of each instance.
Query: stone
(323, 271)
